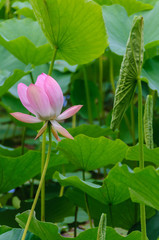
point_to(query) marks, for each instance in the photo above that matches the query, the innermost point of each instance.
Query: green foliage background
(90, 40)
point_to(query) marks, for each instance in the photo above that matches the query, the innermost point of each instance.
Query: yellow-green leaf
(74, 27)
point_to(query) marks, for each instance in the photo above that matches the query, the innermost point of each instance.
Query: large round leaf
(150, 73)
(25, 40)
(116, 17)
(131, 6)
(74, 27)
(43, 230)
(90, 234)
(88, 153)
(128, 212)
(17, 233)
(143, 184)
(23, 167)
(152, 2)
(49, 231)
(11, 70)
(150, 155)
(108, 193)
(93, 131)
(24, 9)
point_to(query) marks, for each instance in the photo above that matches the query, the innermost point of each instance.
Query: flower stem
(52, 62)
(44, 149)
(141, 156)
(39, 187)
(43, 185)
(90, 118)
(86, 202)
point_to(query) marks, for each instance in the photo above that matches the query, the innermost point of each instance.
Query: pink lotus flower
(44, 99)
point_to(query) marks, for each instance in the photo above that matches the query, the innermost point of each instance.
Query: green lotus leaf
(143, 184)
(23, 167)
(75, 28)
(10, 80)
(108, 193)
(150, 73)
(148, 122)
(88, 153)
(24, 8)
(16, 234)
(152, 2)
(93, 131)
(131, 6)
(11, 70)
(150, 155)
(116, 17)
(129, 73)
(25, 40)
(45, 231)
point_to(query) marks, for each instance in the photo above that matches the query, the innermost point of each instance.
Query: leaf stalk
(86, 203)
(141, 155)
(52, 62)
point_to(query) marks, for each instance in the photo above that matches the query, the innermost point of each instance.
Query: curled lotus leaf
(129, 72)
(148, 122)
